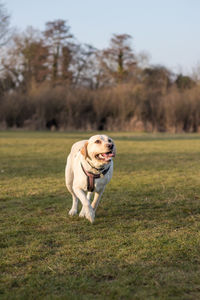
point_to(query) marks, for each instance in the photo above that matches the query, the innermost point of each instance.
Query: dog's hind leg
(89, 212)
(69, 177)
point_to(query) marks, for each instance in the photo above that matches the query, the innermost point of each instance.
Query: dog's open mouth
(105, 156)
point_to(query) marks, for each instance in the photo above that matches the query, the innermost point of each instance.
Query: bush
(123, 107)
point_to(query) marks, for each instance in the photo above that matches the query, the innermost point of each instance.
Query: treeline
(50, 81)
(127, 107)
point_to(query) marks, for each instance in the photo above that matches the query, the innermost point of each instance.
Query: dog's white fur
(94, 157)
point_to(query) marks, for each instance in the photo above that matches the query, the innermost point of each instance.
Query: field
(144, 243)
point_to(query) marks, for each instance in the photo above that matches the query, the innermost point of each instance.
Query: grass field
(144, 243)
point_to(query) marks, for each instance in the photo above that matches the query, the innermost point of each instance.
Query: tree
(184, 82)
(26, 61)
(4, 25)
(156, 81)
(57, 34)
(118, 59)
(6, 83)
(66, 58)
(34, 55)
(5, 32)
(85, 66)
(157, 78)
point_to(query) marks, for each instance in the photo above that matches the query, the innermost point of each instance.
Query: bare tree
(5, 30)
(85, 66)
(57, 34)
(5, 33)
(26, 60)
(118, 59)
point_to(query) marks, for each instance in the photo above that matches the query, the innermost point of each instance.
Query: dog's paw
(90, 214)
(72, 212)
(82, 213)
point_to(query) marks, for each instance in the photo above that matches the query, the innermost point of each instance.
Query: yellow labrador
(89, 168)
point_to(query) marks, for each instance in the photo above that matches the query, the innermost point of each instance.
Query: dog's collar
(91, 177)
(92, 166)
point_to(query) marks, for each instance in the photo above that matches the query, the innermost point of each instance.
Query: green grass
(145, 242)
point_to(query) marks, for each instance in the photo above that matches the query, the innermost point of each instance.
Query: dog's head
(100, 149)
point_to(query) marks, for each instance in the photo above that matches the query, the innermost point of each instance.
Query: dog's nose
(110, 146)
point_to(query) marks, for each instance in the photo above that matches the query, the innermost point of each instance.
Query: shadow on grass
(146, 205)
(129, 251)
(169, 275)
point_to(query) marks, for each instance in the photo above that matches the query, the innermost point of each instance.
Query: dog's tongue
(108, 154)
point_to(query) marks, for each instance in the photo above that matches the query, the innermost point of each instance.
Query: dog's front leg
(87, 208)
(82, 212)
(97, 198)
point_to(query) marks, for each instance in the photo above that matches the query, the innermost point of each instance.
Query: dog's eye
(109, 141)
(98, 142)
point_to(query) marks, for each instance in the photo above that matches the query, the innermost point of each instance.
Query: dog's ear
(84, 150)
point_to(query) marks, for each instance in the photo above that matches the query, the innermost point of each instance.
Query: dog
(89, 169)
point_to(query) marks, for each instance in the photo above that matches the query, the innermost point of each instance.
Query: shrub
(122, 107)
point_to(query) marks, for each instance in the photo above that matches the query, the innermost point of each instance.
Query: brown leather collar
(91, 178)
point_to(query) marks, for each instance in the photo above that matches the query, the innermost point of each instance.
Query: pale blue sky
(169, 30)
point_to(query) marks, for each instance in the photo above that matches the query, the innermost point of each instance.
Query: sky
(167, 30)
